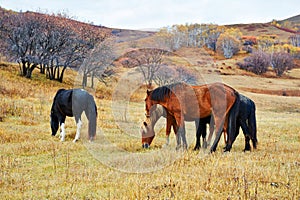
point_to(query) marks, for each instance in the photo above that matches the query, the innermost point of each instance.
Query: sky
(146, 14)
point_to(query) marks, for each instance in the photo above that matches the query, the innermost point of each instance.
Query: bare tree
(48, 42)
(98, 62)
(148, 60)
(21, 33)
(295, 40)
(172, 74)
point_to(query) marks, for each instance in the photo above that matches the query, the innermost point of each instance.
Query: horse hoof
(178, 147)
(75, 140)
(212, 150)
(226, 150)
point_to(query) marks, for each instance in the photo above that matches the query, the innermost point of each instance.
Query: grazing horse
(187, 103)
(72, 103)
(245, 119)
(148, 134)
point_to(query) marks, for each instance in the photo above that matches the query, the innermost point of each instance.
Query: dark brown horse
(188, 103)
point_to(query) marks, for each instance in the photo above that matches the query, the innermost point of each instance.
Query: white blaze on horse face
(78, 131)
(62, 132)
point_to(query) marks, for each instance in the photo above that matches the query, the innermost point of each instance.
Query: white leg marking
(63, 132)
(78, 131)
(167, 141)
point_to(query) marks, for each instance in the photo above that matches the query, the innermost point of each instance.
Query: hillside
(291, 21)
(259, 29)
(32, 161)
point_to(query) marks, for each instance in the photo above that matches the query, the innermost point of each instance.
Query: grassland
(35, 165)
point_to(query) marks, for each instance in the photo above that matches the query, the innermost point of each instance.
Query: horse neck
(156, 114)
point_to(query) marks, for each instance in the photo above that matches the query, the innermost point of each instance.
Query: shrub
(258, 62)
(281, 61)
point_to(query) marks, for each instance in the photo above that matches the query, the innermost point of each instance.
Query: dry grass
(35, 165)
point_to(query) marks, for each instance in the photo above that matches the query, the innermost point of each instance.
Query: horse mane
(160, 93)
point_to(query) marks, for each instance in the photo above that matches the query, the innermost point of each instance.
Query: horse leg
(62, 129)
(252, 126)
(246, 134)
(79, 124)
(198, 134)
(178, 138)
(170, 123)
(219, 122)
(225, 134)
(181, 129)
(180, 133)
(211, 129)
(204, 132)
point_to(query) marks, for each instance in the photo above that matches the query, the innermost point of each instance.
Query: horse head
(54, 122)
(147, 132)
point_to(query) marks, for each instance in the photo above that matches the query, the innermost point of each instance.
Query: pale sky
(142, 14)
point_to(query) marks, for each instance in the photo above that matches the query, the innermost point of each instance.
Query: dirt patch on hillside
(295, 93)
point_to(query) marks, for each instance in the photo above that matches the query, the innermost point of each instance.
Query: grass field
(35, 165)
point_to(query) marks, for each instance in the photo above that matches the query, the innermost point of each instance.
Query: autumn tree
(189, 35)
(229, 43)
(265, 42)
(165, 39)
(213, 34)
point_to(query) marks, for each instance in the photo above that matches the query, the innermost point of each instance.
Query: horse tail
(92, 117)
(252, 125)
(233, 114)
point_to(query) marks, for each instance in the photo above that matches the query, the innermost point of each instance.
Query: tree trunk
(30, 70)
(62, 74)
(92, 80)
(24, 69)
(84, 80)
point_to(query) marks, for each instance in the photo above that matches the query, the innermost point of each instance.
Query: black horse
(245, 119)
(72, 103)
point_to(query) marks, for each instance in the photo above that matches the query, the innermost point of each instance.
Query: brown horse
(185, 102)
